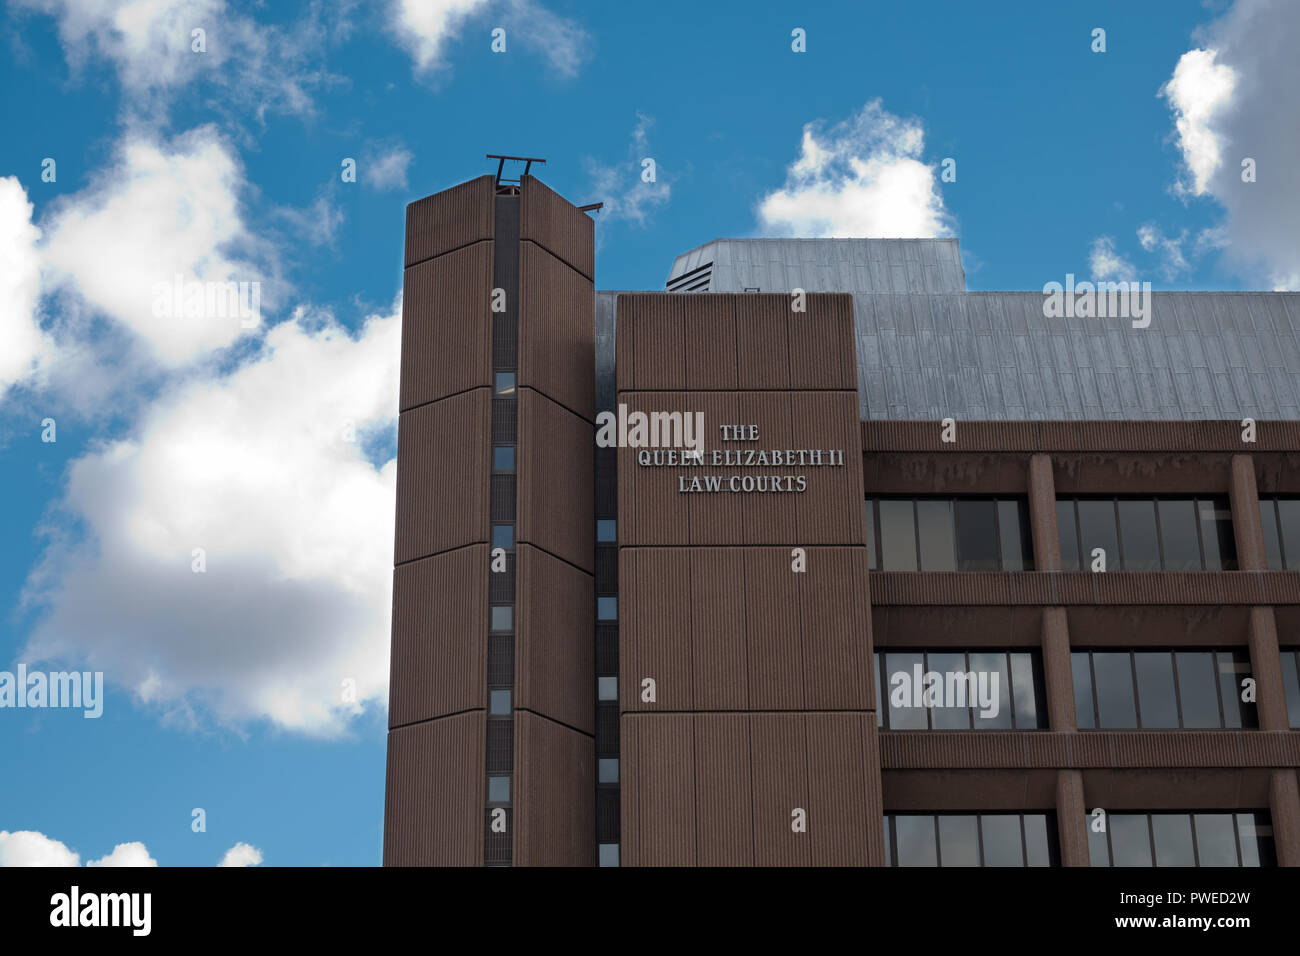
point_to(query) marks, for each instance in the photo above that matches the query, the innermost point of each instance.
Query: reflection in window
(1291, 681)
(1210, 838)
(1161, 689)
(949, 534)
(968, 839)
(1147, 534)
(1281, 523)
(960, 690)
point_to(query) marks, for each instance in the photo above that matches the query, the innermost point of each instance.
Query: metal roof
(926, 353)
(820, 265)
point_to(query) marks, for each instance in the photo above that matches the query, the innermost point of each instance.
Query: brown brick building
(870, 625)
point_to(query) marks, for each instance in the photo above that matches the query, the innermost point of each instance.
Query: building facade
(940, 581)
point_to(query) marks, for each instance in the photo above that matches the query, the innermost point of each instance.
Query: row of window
(1163, 689)
(1207, 839)
(1181, 839)
(1113, 690)
(948, 534)
(1147, 534)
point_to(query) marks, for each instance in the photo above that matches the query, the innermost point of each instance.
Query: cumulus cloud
(623, 188)
(1105, 263)
(386, 169)
(1173, 262)
(863, 177)
(29, 848)
(150, 44)
(126, 854)
(164, 209)
(264, 470)
(24, 347)
(241, 854)
(426, 28)
(1233, 97)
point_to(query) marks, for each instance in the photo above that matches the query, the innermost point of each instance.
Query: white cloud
(863, 177)
(622, 188)
(241, 854)
(425, 28)
(262, 66)
(23, 346)
(386, 169)
(1170, 248)
(1234, 96)
(29, 848)
(164, 209)
(257, 469)
(1105, 263)
(126, 854)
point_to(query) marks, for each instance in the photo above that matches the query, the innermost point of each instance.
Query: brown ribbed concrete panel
(433, 802)
(712, 517)
(555, 474)
(1057, 677)
(779, 750)
(443, 459)
(979, 473)
(830, 511)
(823, 353)
(762, 339)
(439, 648)
(1284, 808)
(450, 219)
(1071, 819)
(555, 639)
(658, 790)
(1085, 587)
(1143, 626)
(1176, 789)
(724, 808)
(936, 791)
(836, 622)
(654, 628)
(1198, 437)
(1114, 749)
(555, 799)
(710, 337)
(556, 330)
(964, 627)
(719, 620)
(777, 669)
(769, 517)
(555, 224)
(650, 349)
(837, 786)
(446, 325)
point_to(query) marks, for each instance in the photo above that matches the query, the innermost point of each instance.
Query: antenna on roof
(511, 186)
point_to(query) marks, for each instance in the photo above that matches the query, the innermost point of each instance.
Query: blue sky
(172, 434)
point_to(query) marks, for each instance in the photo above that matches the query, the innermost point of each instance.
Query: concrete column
(1284, 808)
(1056, 670)
(1042, 514)
(1266, 668)
(1071, 818)
(1246, 527)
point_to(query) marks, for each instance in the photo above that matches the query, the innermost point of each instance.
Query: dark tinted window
(1198, 689)
(1137, 527)
(1212, 838)
(1172, 835)
(1234, 667)
(1084, 708)
(1114, 689)
(959, 840)
(1014, 535)
(1130, 839)
(1097, 530)
(873, 548)
(949, 718)
(977, 537)
(1038, 840)
(503, 458)
(1288, 514)
(980, 690)
(934, 528)
(900, 675)
(914, 841)
(999, 716)
(1069, 531)
(1217, 540)
(1272, 538)
(1182, 548)
(1002, 843)
(1291, 680)
(1216, 842)
(1255, 837)
(1155, 678)
(897, 535)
